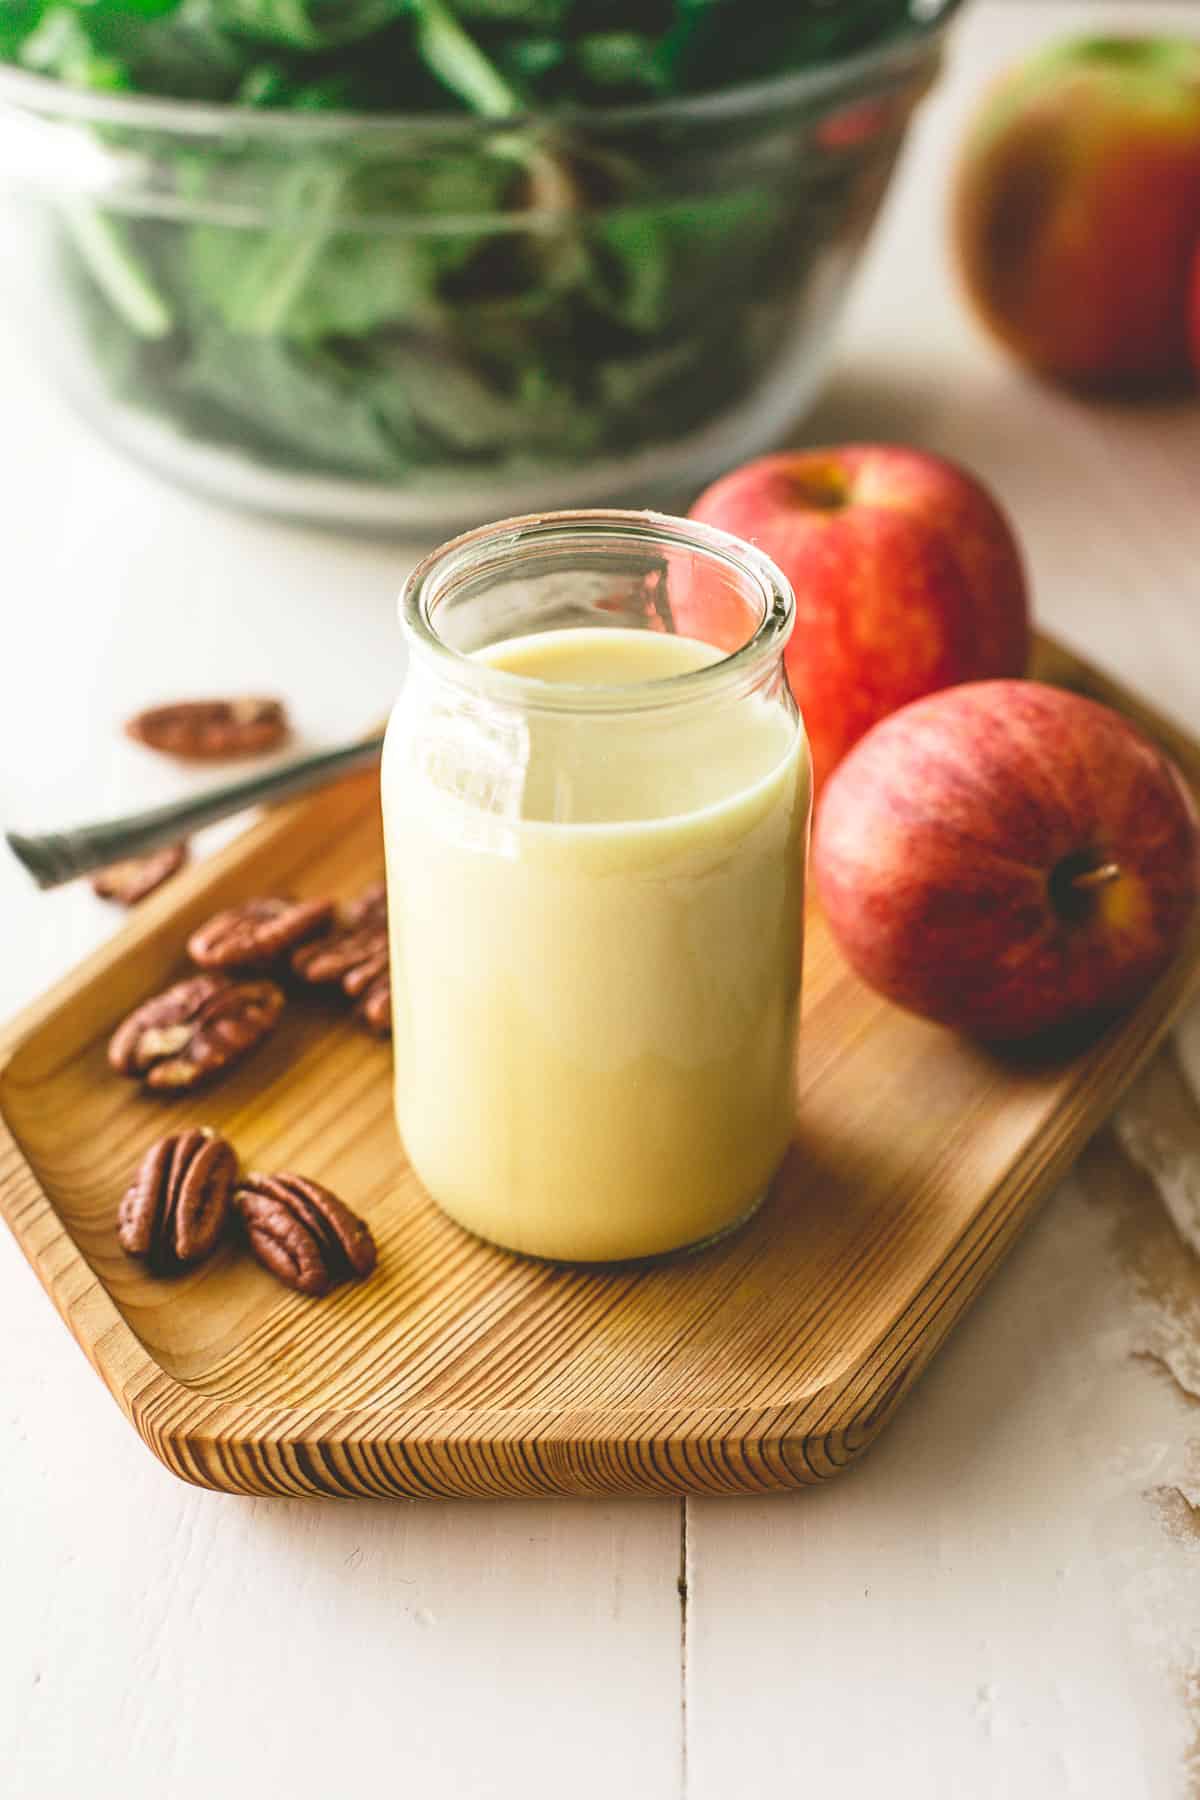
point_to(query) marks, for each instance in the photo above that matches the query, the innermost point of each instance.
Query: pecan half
(370, 908)
(177, 1206)
(194, 1030)
(256, 932)
(212, 730)
(375, 1007)
(355, 957)
(303, 1233)
(131, 880)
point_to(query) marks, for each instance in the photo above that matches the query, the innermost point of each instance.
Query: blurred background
(411, 263)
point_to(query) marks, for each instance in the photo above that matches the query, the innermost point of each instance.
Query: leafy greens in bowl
(412, 262)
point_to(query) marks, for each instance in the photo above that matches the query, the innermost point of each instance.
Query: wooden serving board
(769, 1361)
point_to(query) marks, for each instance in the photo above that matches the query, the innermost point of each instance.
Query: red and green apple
(1077, 207)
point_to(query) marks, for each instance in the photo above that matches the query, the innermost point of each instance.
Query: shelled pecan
(256, 932)
(370, 907)
(355, 957)
(176, 1208)
(375, 1007)
(303, 1233)
(136, 876)
(212, 730)
(193, 1031)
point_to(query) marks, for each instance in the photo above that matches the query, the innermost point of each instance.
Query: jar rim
(507, 539)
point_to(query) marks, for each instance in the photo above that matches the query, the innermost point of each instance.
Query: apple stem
(1096, 878)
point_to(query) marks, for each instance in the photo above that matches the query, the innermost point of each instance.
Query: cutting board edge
(797, 1445)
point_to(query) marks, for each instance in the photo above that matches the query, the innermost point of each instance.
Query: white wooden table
(1003, 1599)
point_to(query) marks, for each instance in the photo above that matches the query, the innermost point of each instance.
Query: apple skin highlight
(1007, 858)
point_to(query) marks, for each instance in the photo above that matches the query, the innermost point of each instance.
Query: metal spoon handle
(60, 856)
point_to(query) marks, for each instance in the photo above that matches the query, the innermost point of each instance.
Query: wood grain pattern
(770, 1361)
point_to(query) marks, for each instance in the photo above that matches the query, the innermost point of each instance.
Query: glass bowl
(417, 323)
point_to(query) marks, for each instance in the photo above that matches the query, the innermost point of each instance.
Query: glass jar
(596, 791)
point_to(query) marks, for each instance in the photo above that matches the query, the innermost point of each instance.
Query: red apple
(1077, 205)
(1195, 315)
(1008, 857)
(907, 576)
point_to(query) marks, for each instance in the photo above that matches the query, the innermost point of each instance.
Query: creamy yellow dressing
(596, 966)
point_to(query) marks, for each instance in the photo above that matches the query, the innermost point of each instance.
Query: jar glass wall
(596, 808)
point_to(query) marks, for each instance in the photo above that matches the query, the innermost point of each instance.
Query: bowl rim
(902, 52)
